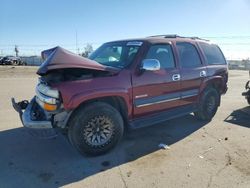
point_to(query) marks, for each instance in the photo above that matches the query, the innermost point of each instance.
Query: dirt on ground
(199, 154)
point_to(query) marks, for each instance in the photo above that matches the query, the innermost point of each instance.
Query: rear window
(213, 54)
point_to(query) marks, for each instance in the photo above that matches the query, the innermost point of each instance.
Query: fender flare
(216, 81)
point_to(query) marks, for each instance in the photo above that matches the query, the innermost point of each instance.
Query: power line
(230, 43)
(83, 44)
(44, 45)
(227, 37)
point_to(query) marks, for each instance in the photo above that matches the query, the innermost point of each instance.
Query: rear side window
(163, 53)
(213, 54)
(188, 55)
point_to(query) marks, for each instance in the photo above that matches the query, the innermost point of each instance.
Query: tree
(88, 49)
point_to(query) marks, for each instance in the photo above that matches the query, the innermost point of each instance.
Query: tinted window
(163, 53)
(188, 54)
(213, 54)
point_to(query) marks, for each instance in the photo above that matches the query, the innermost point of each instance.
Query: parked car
(246, 94)
(7, 60)
(125, 84)
(11, 60)
(18, 61)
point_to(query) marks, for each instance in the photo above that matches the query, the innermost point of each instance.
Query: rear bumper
(30, 117)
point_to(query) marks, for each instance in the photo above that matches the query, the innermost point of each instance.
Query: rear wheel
(95, 128)
(208, 105)
(248, 100)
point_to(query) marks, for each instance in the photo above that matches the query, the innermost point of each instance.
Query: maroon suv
(127, 83)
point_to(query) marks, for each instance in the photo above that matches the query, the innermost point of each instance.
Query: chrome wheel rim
(98, 131)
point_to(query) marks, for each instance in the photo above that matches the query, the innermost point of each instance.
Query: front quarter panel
(75, 93)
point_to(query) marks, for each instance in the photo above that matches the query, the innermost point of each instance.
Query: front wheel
(208, 104)
(95, 128)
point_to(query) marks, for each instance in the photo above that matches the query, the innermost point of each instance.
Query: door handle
(176, 77)
(203, 73)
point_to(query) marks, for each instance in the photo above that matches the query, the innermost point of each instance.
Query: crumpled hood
(59, 58)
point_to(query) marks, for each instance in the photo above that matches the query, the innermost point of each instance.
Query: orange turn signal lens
(49, 107)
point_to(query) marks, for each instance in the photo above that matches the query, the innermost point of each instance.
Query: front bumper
(32, 115)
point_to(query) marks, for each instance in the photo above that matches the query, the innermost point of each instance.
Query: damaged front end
(46, 110)
(32, 115)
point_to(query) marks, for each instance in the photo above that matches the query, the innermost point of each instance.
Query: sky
(42, 24)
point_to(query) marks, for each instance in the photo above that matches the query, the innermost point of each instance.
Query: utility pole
(16, 50)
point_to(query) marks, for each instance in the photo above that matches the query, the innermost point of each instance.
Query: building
(32, 60)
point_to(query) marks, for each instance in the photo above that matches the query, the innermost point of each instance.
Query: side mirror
(151, 65)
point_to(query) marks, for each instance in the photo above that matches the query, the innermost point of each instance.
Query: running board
(162, 116)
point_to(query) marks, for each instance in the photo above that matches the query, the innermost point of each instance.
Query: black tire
(248, 100)
(99, 119)
(208, 104)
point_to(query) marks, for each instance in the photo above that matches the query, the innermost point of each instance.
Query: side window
(163, 53)
(213, 54)
(188, 54)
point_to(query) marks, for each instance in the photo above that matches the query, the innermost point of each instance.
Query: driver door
(159, 90)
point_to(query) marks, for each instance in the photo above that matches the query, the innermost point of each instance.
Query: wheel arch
(118, 102)
(215, 82)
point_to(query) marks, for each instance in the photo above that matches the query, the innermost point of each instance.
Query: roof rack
(197, 38)
(166, 36)
(177, 36)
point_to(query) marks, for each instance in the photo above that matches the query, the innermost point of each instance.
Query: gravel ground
(215, 154)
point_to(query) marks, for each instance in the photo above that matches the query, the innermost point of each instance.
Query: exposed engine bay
(72, 74)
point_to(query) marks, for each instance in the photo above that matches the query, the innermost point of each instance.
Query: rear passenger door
(192, 71)
(215, 60)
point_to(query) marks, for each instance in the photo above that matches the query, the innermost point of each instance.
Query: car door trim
(157, 100)
(189, 93)
(165, 98)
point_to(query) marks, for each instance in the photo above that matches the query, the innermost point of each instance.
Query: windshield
(116, 54)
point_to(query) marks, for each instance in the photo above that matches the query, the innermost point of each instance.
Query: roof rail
(166, 36)
(177, 36)
(198, 38)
